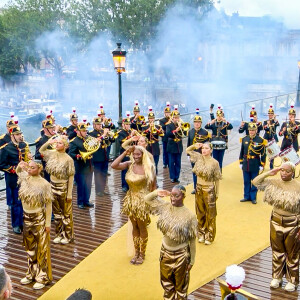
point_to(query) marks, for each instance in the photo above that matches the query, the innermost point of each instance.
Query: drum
(291, 155)
(218, 145)
(272, 149)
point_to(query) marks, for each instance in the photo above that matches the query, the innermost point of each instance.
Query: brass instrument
(91, 145)
(184, 128)
(141, 118)
(153, 129)
(114, 134)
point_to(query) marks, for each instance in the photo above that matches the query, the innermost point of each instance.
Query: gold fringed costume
(208, 174)
(36, 196)
(179, 226)
(284, 196)
(61, 168)
(134, 205)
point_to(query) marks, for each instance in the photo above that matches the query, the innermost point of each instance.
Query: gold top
(206, 168)
(59, 164)
(284, 195)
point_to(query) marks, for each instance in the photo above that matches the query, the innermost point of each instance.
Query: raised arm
(118, 164)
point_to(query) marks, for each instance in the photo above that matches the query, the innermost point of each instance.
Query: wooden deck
(94, 226)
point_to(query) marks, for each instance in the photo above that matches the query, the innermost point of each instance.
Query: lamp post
(298, 90)
(119, 58)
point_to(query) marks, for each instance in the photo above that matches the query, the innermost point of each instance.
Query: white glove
(241, 166)
(261, 168)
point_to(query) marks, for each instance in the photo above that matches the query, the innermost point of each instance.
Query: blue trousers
(100, 175)
(194, 177)
(250, 190)
(46, 175)
(16, 208)
(84, 186)
(7, 190)
(156, 160)
(271, 164)
(219, 155)
(174, 165)
(165, 154)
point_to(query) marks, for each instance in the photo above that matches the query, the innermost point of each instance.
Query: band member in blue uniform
(290, 130)
(252, 160)
(137, 121)
(219, 128)
(124, 135)
(101, 156)
(71, 129)
(163, 123)
(48, 129)
(175, 133)
(253, 116)
(5, 139)
(197, 135)
(83, 165)
(153, 132)
(270, 127)
(10, 156)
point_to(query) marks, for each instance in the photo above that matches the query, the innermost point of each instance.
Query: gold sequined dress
(134, 205)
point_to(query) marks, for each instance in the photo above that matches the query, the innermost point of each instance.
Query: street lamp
(119, 58)
(298, 90)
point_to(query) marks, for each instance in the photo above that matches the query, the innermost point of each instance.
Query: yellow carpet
(242, 231)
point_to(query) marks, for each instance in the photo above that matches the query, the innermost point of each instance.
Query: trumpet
(153, 129)
(141, 118)
(114, 134)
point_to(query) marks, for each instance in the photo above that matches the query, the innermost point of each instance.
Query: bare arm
(118, 164)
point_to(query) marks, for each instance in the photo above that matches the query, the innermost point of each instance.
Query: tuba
(91, 145)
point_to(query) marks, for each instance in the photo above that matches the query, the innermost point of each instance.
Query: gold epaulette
(72, 139)
(265, 142)
(3, 146)
(241, 139)
(209, 135)
(37, 140)
(2, 136)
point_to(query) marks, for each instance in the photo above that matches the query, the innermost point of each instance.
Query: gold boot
(136, 243)
(143, 244)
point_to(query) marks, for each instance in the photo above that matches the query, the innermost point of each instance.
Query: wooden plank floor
(94, 226)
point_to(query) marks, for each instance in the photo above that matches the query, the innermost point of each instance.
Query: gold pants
(174, 277)
(285, 248)
(206, 211)
(63, 211)
(37, 245)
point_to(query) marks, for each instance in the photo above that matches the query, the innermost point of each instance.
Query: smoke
(194, 60)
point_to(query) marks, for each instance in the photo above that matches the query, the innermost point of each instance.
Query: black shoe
(81, 206)
(176, 180)
(108, 174)
(172, 180)
(100, 194)
(244, 200)
(106, 193)
(165, 166)
(89, 204)
(124, 189)
(193, 192)
(253, 201)
(17, 230)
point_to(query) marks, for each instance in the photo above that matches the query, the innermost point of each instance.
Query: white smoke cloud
(287, 11)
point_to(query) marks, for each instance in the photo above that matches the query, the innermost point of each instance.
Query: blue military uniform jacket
(253, 153)
(71, 132)
(81, 166)
(290, 136)
(5, 139)
(219, 130)
(174, 141)
(270, 130)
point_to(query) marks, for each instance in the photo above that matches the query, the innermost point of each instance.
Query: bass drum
(291, 155)
(272, 149)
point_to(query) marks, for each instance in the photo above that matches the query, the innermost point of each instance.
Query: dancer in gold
(141, 180)
(284, 195)
(208, 174)
(179, 227)
(36, 196)
(61, 168)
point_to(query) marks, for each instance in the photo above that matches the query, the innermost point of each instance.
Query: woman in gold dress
(179, 227)
(36, 196)
(141, 180)
(61, 168)
(284, 195)
(208, 174)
